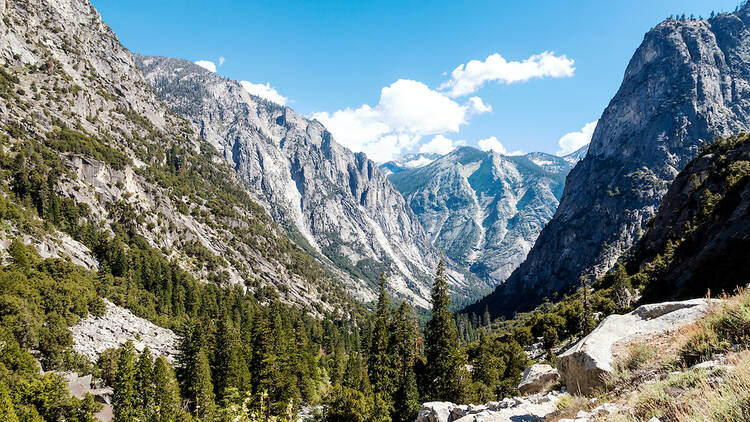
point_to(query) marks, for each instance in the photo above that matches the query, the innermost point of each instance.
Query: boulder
(584, 367)
(436, 411)
(536, 378)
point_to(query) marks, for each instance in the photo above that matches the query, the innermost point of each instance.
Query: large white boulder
(536, 378)
(584, 367)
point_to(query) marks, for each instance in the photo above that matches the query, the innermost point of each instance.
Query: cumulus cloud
(407, 111)
(440, 145)
(222, 60)
(570, 142)
(468, 78)
(264, 91)
(478, 106)
(493, 144)
(206, 64)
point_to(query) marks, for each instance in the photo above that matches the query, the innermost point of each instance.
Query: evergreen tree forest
(243, 354)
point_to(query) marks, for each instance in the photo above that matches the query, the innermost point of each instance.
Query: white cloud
(493, 144)
(573, 141)
(407, 111)
(478, 106)
(440, 145)
(206, 64)
(468, 78)
(222, 60)
(264, 91)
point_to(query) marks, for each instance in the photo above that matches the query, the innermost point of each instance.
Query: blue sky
(379, 73)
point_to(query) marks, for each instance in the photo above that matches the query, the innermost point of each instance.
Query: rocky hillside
(340, 203)
(685, 85)
(483, 209)
(103, 167)
(699, 240)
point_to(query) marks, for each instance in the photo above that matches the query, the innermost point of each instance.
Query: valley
(179, 244)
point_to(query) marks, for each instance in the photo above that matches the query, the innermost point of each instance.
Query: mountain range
(337, 204)
(484, 210)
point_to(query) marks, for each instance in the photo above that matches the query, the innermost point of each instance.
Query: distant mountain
(408, 161)
(483, 209)
(685, 85)
(336, 203)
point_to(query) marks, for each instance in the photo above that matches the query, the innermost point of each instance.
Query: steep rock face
(72, 99)
(341, 203)
(483, 209)
(701, 233)
(686, 84)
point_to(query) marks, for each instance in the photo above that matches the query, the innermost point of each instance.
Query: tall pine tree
(166, 400)
(444, 360)
(379, 365)
(125, 389)
(144, 381)
(202, 390)
(405, 397)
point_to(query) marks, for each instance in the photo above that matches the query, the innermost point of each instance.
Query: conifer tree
(354, 373)
(166, 402)
(444, 359)
(379, 365)
(488, 366)
(202, 391)
(304, 362)
(7, 412)
(405, 397)
(230, 370)
(144, 381)
(125, 389)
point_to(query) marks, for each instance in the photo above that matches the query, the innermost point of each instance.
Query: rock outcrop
(483, 209)
(510, 409)
(584, 367)
(339, 203)
(701, 233)
(79, 386)
(93, 335)
(687, 83)
(536, 378)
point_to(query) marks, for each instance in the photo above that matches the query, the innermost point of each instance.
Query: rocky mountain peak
(687, 83)
(484, 209)
(340, 204)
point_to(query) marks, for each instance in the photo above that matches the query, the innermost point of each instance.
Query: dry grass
(726, 400)
(727, 324)
(645, 387)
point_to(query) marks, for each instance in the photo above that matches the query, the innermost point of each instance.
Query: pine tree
(202, 391)
(304, 361)
(7, 412)
(166, 401)
(230, 370)
(144, 381)
(405, 397)
(354, 374)
(487, 367)
(125, 389)
(379, 365)
(444, 359)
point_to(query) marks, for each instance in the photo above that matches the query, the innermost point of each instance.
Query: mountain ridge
(340, 201)
(684, 86)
